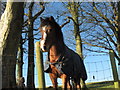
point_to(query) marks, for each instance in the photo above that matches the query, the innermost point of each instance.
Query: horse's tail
(84, 77)
(84, 73)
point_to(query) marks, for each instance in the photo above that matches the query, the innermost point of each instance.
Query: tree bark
(30, 75)
(78, 38)
(0, 9)
(10, 30)
(118, 36)
(74, 12)
(19, 63)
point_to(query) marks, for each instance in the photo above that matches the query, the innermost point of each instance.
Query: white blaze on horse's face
(42, 43)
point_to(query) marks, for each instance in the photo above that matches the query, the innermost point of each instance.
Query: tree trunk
(118, 36)
(74, 12)
(73, 7)
(30, 77)
(10, 30)
(20, 59)
(31, 19)
(77, 37)
(19, 64)
(0, 9)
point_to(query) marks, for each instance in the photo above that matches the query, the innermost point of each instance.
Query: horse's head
(50, 33)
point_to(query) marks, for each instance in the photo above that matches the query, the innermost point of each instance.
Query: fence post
(114, 69)
(39, 63)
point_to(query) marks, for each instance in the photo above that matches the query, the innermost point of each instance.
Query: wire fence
(98, 69)
(102, 71)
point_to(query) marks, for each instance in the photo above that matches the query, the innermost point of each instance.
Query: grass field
(106, 85)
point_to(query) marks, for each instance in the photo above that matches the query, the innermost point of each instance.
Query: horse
(61, 62)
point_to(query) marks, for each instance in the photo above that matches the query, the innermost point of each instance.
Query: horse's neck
(55, 52)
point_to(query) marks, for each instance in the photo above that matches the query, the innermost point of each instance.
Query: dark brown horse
(62, 62)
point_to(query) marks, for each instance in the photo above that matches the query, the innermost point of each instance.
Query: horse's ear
(51, 18)
(41, 19)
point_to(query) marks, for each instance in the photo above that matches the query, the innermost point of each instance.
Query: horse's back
(77, 62)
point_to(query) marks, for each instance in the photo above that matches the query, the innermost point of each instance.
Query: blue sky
(97, 65)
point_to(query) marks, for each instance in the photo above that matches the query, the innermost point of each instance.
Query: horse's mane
(54, 24)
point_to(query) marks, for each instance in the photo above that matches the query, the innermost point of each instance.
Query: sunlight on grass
(107, 85)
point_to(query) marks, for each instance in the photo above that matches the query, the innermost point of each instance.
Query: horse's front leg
(54, 80)
(64, 81)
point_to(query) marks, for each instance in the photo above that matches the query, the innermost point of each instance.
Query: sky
(97, 65)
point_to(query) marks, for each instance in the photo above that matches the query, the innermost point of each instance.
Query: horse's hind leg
(78, 84)
(54, 80)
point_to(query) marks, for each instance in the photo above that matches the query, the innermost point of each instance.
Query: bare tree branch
(96, 45)
(65, 23)
(36, 15)
(43, 8)
(109, 22)
(109, 36)
(98, 51)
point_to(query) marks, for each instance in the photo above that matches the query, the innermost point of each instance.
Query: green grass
(106, 85)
